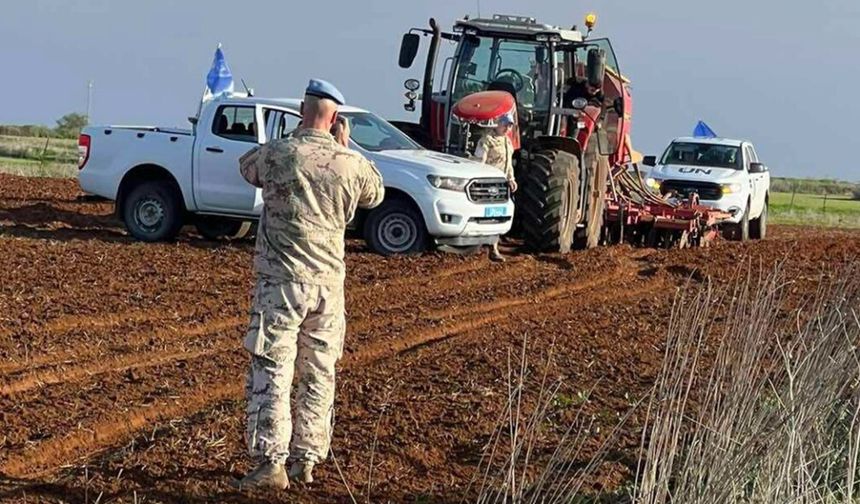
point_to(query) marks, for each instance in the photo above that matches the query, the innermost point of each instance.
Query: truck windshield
(376, 134)
(493, 63)
(702, 154)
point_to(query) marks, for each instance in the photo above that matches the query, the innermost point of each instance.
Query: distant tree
(856, 192)
(70, 125)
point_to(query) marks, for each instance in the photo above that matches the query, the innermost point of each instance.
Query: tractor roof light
(590, 20)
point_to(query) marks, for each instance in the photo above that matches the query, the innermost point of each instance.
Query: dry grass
(773, 416)
(27, 168)
(510, 470)
(758, 409)
(56, 150)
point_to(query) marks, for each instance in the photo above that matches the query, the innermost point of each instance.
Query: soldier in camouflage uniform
(495, 149)
(312, 185)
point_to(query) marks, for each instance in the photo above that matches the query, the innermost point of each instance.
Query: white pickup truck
(163, 178)
(726, 174)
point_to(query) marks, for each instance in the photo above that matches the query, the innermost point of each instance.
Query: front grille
(488, 190)
(489, 220)
(707, 190)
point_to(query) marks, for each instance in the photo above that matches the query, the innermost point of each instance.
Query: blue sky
(783, 74)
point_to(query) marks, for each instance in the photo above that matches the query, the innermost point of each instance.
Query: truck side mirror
(757, 168)
(596, 69)
(649, 160)
(409, 49)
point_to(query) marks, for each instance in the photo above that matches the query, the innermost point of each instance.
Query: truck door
(219, 185)
(279, 123)
(756, 189)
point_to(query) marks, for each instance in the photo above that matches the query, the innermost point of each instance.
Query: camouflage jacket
(496, 150)
(311, 188)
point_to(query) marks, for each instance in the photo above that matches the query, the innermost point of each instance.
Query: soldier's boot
(495, 255)
(266, 475)
(302, 471)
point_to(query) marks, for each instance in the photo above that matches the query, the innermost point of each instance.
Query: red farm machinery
(578, 176)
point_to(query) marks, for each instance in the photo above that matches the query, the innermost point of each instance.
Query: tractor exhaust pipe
(429, 71)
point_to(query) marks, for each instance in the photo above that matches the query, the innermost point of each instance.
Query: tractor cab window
(519, 67)
(473, 68)
(582, 56)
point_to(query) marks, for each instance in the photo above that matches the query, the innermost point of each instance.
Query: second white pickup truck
(726, 174)
(163, 178)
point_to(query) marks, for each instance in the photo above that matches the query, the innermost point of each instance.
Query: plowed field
(122, 373)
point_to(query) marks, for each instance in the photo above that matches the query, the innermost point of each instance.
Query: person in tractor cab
(575, 88)
(495, 149)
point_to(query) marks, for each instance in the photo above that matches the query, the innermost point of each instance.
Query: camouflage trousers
(295, 329)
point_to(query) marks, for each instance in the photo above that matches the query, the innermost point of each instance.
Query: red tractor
(572, 110)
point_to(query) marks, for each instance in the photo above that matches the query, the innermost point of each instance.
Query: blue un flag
(702, 130)
(219, 81)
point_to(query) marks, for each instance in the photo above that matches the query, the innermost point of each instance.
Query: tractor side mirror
(757, 168)
(649, 160)
(409, 49)
(596, 68)
(618, 105)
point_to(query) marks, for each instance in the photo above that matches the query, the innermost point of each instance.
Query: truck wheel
(758, 227)
(152, 211)
(741, 230)
(219, 228)
(548, 201)
(395, 227)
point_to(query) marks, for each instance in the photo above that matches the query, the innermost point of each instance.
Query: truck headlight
(731, 188)
(653, 183)
(449, 183)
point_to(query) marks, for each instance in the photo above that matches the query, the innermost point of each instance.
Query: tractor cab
(570, 106)
(513, 64)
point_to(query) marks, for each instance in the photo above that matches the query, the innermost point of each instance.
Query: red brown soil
(121, 368)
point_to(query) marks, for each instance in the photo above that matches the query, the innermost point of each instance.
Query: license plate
(495, 211)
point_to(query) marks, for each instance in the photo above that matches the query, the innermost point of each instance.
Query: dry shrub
(756, 409)
(772, 417)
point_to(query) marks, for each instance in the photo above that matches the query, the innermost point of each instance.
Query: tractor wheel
(548, 199)
(596, 203)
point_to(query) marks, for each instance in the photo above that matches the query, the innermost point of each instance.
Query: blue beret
(324, 89)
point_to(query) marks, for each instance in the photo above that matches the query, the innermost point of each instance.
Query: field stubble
(121, 370)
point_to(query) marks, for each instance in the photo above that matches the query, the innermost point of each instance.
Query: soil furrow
(93, 357)
(128, 363)
(43, 458)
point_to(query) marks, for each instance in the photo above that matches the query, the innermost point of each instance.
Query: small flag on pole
(219, 81)
(702, 130)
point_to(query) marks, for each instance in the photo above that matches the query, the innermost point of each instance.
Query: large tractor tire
(548, 199)
(595, 205)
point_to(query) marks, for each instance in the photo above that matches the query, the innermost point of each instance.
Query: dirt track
(121, 369)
